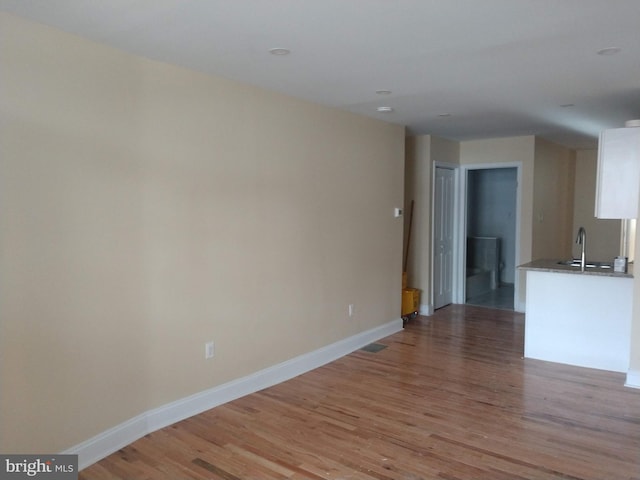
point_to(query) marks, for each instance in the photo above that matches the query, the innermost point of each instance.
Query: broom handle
(406, 253)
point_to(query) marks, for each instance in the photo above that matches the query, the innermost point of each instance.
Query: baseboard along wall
(633, 379)
(113, 439)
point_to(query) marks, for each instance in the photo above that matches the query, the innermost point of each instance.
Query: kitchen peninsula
(578, 318)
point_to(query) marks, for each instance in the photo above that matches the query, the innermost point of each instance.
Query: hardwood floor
(450, 397)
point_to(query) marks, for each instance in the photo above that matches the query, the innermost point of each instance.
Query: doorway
(491, 231)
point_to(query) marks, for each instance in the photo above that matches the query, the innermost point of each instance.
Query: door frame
(459, 293)
(456, 232)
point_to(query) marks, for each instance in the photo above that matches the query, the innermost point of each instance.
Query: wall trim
(633, 379)
(426, 309)
(119, 436)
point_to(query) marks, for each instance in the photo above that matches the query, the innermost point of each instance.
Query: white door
(443, 237)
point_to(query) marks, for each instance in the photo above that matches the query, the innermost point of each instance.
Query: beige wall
(418, 172)
(603, 235)
(421, 153)
(553, 188)
(445, 151)
(147, 209)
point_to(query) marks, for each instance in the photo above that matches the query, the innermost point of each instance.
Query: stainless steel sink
(575, 262)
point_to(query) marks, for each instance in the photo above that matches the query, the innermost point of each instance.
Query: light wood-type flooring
(450, 397)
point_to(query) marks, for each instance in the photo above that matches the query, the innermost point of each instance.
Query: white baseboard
(633, 379)
(110, 441)
(426, 309)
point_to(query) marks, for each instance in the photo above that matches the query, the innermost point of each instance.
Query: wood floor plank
(450, 397)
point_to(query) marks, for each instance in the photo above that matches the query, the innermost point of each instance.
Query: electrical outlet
(208, 350)
(352, 309)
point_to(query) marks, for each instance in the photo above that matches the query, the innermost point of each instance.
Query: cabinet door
(618, 181)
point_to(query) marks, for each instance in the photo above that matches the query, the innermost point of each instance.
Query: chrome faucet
(582, 240)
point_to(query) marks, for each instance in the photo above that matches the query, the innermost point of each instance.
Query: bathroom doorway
(491, 231)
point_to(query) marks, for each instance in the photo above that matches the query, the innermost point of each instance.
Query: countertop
(550, 265)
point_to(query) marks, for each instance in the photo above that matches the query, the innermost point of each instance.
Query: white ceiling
(498, 67)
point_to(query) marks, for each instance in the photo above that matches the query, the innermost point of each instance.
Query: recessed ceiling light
(279, 51)
(383, 92)
(609, 51)
(384, 109)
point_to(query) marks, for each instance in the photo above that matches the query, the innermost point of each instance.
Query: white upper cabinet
(618, 183)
